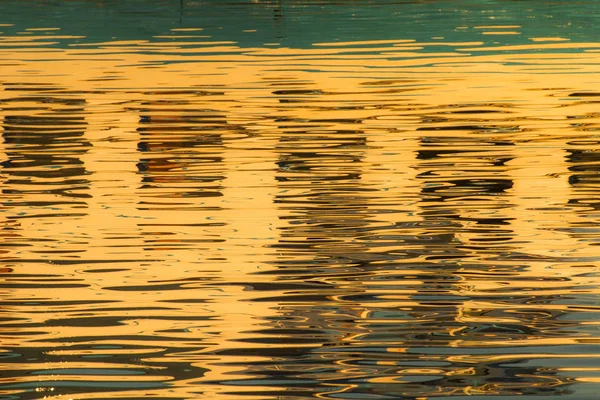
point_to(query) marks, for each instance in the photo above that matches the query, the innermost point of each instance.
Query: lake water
(299, 199)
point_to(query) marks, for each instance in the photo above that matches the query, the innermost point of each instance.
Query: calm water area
(294, 199)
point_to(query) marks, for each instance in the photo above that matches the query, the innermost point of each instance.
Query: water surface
(299, 199)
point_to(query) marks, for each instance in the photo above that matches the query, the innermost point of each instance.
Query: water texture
(299, 199)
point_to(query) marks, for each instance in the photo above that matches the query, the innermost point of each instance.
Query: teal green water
(299, 24)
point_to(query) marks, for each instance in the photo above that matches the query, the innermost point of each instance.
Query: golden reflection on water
(196, 219)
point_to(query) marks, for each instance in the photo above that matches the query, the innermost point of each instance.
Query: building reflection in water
(45, 178)
(45, 188)
(466, 202)
(398, 300)
(363, 219)
(181, 169)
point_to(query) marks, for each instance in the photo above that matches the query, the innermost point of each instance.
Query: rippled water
(296, 199)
